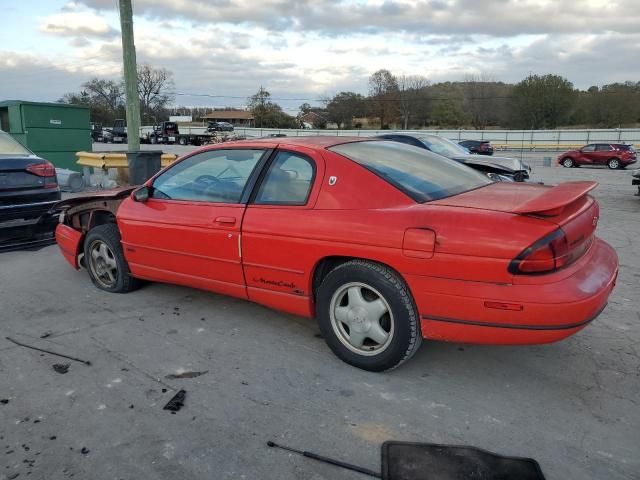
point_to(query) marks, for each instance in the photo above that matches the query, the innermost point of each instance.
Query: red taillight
(46, 170)
(546, 255)
(42, 169)
(549, 254)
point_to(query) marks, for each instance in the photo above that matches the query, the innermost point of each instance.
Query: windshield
(9, 146)
(420, 174)
(443, 146)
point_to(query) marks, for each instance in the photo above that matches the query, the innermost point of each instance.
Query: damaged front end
(80, 214)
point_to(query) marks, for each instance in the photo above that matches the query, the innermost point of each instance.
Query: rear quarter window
(420, 174)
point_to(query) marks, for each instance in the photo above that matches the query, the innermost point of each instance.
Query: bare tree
(106, 92)
(411, 95)
(154, 88)
(481, 99)
(383, 89)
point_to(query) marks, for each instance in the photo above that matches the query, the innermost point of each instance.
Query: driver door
(188, 231)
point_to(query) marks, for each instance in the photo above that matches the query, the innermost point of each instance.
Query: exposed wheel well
(326, 264)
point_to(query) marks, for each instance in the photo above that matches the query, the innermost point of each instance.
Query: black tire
(108, 235)
(182, 141)
(568, 162)
(614, 163)
(404, 338)
(153, 140)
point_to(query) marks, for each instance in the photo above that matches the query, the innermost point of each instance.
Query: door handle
(225, 220)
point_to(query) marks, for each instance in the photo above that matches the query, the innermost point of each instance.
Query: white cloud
(314, 48)
(77, 23)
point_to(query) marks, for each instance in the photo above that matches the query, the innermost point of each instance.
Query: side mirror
(141, 194)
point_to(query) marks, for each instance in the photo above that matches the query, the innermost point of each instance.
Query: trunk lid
(15, 176)
(567, 205)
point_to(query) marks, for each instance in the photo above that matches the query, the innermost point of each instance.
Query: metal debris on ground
(61, 367)
(48, 351)
(174, 376)
(177, 402)
(331, 461)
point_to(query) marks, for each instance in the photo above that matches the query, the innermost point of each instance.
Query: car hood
(507, 164)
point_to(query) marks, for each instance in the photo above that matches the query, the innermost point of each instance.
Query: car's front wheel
(567, 162)
(613, 163)
(104, 259)
(367, 316)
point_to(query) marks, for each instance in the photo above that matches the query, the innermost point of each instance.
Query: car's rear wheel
(567, 162)
(104, 259)
(367, 316)
(613, 163)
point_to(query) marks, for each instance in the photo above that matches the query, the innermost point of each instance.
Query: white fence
(507, 139)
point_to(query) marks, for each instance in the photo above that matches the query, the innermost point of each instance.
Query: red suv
(614, 155)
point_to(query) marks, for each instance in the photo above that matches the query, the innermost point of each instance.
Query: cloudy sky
(309, 49)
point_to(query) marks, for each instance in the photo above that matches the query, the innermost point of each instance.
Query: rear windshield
(9, 146)
(415, 171)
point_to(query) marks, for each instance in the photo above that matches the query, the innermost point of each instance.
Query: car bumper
(525, 313)
(27, 225)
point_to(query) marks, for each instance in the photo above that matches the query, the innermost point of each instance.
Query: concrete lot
(572, 405)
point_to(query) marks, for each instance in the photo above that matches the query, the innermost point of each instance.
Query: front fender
(70, 242)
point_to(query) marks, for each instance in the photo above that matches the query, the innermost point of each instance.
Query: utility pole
(130, 76)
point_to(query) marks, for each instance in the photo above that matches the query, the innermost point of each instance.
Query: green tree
(342, 108)
(447, 105)
(267, 114)
(542, 101)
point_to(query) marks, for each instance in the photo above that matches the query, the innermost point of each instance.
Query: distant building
(238, 118)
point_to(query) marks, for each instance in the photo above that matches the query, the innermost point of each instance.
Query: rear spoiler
(552, 200)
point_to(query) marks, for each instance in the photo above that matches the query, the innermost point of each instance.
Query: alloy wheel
(103, 264)
(361, 319)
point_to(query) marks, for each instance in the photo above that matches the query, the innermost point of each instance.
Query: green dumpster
(54, 131)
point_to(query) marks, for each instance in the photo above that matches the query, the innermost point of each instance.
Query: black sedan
(498, 168)
(220, 127)
(481, 147)
(28, 189)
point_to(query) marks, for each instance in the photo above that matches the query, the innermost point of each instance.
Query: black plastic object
(61, 368)
(143, 165)
(177, 402)
(430, 461)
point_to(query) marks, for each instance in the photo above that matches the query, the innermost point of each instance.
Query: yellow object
(106, 160)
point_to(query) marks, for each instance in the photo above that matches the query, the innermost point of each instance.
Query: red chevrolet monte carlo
(384, 243)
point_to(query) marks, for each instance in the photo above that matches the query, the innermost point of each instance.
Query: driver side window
(218, 176)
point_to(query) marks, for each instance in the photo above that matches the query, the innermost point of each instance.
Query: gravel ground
(265, 375)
